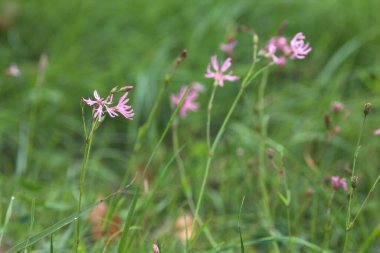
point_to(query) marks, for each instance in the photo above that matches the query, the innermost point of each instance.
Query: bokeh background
(99, 44)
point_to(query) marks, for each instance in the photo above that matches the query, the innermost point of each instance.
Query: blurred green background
(99, 44)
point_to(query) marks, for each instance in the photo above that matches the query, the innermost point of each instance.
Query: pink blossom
(188, 103)
(13, 70)
(155, 248)
(218, 74)
(376, 132)
(299, 48)
(228, 48)
(336, 106)
(337, 182)
(121, 107)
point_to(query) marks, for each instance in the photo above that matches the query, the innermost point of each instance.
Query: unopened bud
(367, 108)
(182, 56)
(354, 182)
(126, 88)
(156, 249)
(255, 39)
(271, 152)
(114, 89)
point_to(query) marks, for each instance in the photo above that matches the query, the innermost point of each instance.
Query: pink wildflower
(376, 132)
(218, 74)
(155, 248)
(337, 182)
(13, 70)
(299, 48)
(188, 103)
(279, 50)
(99, 103)
(121, 107)
(228, 48)
(336, 106)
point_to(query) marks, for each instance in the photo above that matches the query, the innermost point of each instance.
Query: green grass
(100, 44)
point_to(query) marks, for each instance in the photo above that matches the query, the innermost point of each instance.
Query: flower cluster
(188, 104)
(279, 50)
(337, 183)
(218, 75)
(13, 70)
(112, 111)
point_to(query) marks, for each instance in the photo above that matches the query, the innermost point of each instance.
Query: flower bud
(367, 108)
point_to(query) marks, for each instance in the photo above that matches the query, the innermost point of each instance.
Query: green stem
(364, 202)
(88, 143)
(209, 108)
(219, 135)
(348, 216)
(327, 232)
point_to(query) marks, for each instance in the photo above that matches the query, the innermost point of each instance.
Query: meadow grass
(249, 172)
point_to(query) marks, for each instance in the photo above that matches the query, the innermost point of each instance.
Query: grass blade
(7, 218)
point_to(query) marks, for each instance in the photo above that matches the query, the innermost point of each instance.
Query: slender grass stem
(209, 108)
(364, 202)
(88, 143)
(353, 185)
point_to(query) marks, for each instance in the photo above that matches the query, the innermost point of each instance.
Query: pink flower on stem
(337, 183)
(228, 48)
(218, 74)
(299, 48)
(337, 106)
(188, 103)
(99, 103)
(13, 70)
(155, 248)
(376, 132)
(121, 107)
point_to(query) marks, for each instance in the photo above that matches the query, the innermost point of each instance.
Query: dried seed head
(367, 109)
(327, 121)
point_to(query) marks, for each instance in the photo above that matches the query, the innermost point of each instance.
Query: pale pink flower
(336, 106)
(122, 108)
(13, 70)
(99, 103)
(228, 48)
(155, 248)
(188, 103)
(376, 132)
(337, 183)
(218, 74)
(298, 46)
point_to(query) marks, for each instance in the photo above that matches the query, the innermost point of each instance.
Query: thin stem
(86, 156)
(209, 108)
(243, 86)
(348, 216)
(262, 155)
(327, 232)
(364, 202)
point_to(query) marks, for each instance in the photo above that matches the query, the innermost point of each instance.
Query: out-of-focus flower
(188, 104)
(13, 70)
(299, 48)
(183, 227)
(376, 132)
(218, 74)
(336, 106)
(121, 107)
(337, 182)
(228, 48)
(279, 50)
(156, 249)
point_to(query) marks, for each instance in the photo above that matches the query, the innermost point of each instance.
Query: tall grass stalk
(367, 108)
(86, 156)
(8, 215)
